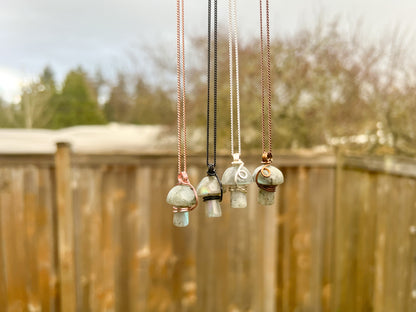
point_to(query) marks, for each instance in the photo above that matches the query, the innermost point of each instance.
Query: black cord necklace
(210, 188)
(214, 162)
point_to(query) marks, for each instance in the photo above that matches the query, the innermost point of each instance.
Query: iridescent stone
(209, 186)
(275, 178)
(213, 208)
(181, 196)
(236, 181)
(181, 219)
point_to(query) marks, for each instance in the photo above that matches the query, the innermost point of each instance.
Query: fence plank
(380, 248)
(239, 261)
(65, 233)
(320, 198)
(46, 248)
(398, 243)
(14, 240)
(212, 260)
(3, 217)
(139, 229)
(162, 263)
(288, 213)
(324, 246)
(351, 193)
(30, 230)
(411, 297)
(104, 269)
(366, 239)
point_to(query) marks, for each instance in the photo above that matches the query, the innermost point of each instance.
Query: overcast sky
(102, 34)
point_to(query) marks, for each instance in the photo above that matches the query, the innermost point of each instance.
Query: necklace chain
(233, 34)
(181, 91)
(209, 83)
(263, 83)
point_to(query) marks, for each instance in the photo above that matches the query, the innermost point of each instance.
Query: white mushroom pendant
(236, 179)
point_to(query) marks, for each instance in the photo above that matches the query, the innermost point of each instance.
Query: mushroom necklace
(266, 176)
(210, 187)
(183, 195)
(237, 177)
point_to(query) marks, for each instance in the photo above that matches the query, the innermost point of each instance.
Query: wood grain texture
(65, 229)
(94, 233)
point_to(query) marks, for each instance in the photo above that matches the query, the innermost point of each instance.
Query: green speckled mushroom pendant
(266, 176)
(184, 199)
(182, 196)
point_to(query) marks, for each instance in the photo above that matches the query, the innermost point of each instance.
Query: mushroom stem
(238, 199)
(181, 219)
(265, 198)
(213, 208)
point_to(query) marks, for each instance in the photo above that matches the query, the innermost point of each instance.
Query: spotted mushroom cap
(275, 178)
(181, 196)
(208, 186)
(228, 178)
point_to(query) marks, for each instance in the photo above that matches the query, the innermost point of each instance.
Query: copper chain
(262, 82)
(180, 71)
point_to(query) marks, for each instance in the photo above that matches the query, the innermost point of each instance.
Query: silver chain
(233, 34)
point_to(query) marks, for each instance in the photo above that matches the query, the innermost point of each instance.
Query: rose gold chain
(269, 76)
(181, 91)
(262, 82)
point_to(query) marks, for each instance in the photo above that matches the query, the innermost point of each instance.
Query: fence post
(65, 228)
(335, 300)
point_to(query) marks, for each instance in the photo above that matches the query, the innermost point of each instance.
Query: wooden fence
(93, 233)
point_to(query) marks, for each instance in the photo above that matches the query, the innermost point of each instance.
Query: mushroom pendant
(236, 179)
(210, 189)
(267, 178)
(183, 197)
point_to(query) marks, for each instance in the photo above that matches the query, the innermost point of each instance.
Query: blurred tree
(152, 105)
(119, 105)
(4, 114)
(47, 79)
(99, 81)
(77, 103)
(33, 110)
(326, 85)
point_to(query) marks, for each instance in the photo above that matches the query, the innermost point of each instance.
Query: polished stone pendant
(236, 180)
(267, 178)
(183, 198)
(210, 190)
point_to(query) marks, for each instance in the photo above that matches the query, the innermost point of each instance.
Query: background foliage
(329, 87)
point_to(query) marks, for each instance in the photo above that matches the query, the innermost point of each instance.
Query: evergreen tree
(119, 107)
(77, 103)
(153, 105)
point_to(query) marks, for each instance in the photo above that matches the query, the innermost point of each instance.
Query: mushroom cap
(275, 178)
(208, 186)
(244, 178)
(181, 196)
